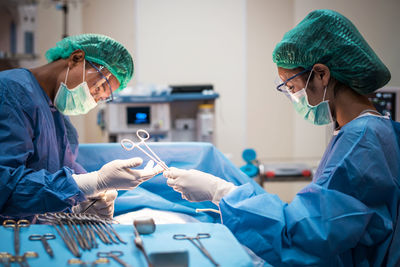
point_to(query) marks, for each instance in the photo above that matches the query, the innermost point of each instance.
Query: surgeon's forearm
(38, 192)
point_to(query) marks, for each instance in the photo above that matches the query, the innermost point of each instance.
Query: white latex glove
(104, 205)
(198, 186)
(116, 174)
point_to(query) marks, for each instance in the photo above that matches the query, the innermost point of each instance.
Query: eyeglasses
(282, 86)
(99, 70)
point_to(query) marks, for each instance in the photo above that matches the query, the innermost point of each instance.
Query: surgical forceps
(16, 225)
(196, 241)
(115, 254)
(143, 136)
(62, 232)
(43, 239)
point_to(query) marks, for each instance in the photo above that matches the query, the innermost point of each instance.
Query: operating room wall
(49, 30)
(198, 42)
(116, 20)
(269, 115)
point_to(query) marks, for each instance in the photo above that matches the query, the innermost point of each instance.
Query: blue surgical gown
(348, 215)
(37, 152)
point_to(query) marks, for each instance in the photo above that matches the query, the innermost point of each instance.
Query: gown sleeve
(24, 191)
(346, 207)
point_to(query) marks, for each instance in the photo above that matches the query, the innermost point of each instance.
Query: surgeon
(38, 171)
(349, 214)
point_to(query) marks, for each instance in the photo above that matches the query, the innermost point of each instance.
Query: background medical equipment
(251, 168)
(184, 114)
(387, 100)
(205, 123)
(19, 34)
(285, 179)
(285, 171)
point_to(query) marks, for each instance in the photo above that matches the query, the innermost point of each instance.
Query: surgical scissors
(196, 241)
(16, 225)
(143, 136)
(43, 239)
(115, 254)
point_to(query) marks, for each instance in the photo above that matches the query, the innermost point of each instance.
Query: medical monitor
(138, 115)
(387, 100)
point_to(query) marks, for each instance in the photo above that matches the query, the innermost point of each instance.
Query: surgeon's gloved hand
(198, 186)
(103, 207)
(116, 174)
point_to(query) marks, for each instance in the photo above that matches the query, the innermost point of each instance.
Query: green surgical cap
(100, 49)
(327, 37)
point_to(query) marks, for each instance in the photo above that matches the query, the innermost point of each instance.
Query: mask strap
(84, 67)
(66, 76)
(324, 93)
(308, 79)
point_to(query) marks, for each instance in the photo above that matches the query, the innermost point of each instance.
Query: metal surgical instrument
(43, 239)
(93, 263)
(68, 241)
(115, 254)
(143, 135)
(16, 225)
(22, 260)
(6, 258)
(80, 230)
(94, 200)
(149, 227)
(196, 241)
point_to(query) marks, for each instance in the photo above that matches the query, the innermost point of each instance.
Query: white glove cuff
(223, 188)
(87, 182)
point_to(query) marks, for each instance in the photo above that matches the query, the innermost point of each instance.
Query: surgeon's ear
(75, 58)
(322, 74)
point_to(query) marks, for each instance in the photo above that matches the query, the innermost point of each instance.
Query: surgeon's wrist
(223, 189)
(88, 183)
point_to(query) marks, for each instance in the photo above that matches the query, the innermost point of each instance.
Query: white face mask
(75, 101)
